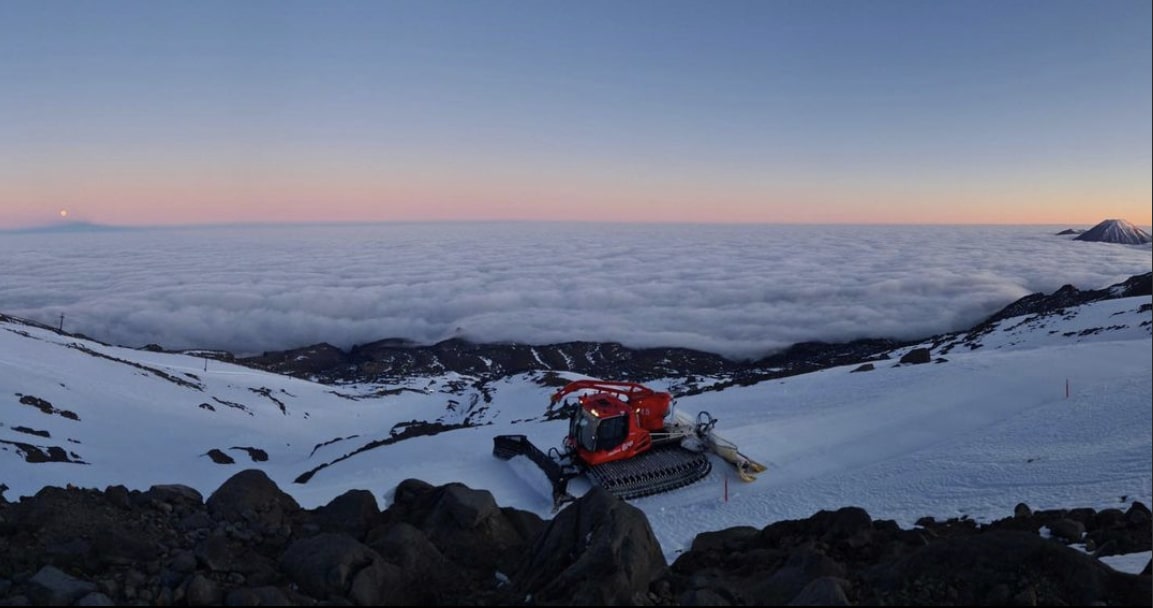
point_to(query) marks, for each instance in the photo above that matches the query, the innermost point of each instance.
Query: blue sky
(905, 112)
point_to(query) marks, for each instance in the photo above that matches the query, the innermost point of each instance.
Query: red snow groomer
(625, 437)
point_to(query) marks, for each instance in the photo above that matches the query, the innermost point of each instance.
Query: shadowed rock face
(845, 557)
(453, 545)
(1115, 231)
(600, 551)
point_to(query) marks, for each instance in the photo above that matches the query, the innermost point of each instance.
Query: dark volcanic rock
(971, 570)
(430, 576)
(334, 565)
(250, 496)
(304, 362)
(120, 547)
(598, 538)
(52, 587)
(353, 513)
(464, 524)
(917, 355)
(394, 358)
(843, 556)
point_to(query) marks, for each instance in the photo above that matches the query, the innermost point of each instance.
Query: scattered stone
(53, 587)
(917, 356)
(823, 591)
(95, 599)
(1067, 530)
(220, 457)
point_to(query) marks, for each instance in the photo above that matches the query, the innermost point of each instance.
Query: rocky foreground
(250, 543)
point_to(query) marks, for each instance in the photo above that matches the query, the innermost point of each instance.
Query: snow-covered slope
(1050, 410)
(1115, 231)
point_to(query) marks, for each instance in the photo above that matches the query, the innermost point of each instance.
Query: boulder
(333, 566)
(353, 512)
(51, 586)
(466, 525)
(801, 569)
(823, 591)
(251, 497)
(434, 578)
(174, 493)
(599, 551)
(917, 356)
(1067, 530)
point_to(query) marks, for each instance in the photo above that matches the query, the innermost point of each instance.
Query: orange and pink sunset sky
(771, 111)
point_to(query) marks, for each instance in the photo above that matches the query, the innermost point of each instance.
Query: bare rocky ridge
(250, 543)
(395, 360)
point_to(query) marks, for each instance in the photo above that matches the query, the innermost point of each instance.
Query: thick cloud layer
(736, 290)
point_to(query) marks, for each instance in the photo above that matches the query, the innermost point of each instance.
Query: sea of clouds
(741, 291)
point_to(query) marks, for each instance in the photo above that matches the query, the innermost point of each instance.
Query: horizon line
(96, 226)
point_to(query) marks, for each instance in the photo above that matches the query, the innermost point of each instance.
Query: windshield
(598, 434)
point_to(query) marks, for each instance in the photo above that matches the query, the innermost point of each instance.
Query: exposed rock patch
(917, 356)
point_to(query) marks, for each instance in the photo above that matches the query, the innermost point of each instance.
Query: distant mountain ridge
(1115, 231)
(67, 227)
(397, 359)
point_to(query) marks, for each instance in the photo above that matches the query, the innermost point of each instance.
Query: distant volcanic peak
(1116, 231)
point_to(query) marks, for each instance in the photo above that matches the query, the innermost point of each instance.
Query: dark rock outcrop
(844, 557)
(452, 545)
(335, 565)
(598, 538)
(252, 497)
(984, 568)
(353, 513)
(917, 356)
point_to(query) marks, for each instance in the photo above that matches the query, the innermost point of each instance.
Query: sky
(1053, 412)
(742, 291)
(788, 111)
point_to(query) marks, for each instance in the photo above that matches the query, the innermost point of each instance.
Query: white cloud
(736, 290)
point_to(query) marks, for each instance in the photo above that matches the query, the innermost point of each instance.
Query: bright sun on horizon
(63, 213)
